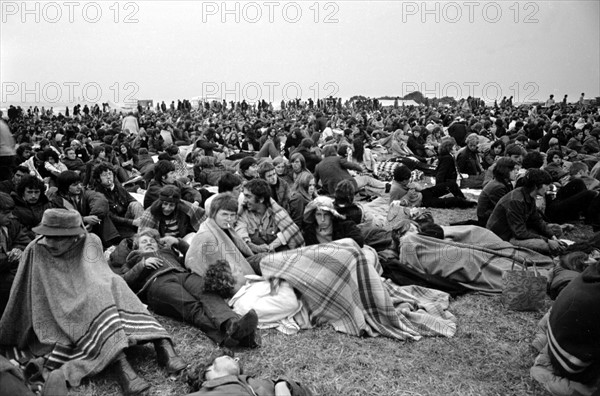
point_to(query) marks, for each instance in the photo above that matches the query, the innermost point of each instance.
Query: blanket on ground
(211, 244)
(75, 309)
(338, 286)
(473, 256)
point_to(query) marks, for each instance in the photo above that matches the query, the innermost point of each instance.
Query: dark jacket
(16, 238)
(341, 229)
(118, 202)
(297, 204)
(489, 197)
(311, 158)
(332, 170)
(446, 169)
(74, 165)
(467, 161)
(138, 277)
(281, 193)
(516, 216)
(30, 216)
(458, 131)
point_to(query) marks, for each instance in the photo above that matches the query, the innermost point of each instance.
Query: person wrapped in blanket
(154, 271)
(263, 224)
(68, 308)
(224, 375)
(324, 224)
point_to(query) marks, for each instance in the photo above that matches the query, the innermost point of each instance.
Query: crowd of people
(183, 203)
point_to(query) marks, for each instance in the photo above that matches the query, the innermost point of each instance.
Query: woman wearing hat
(67, 301)
(323, 224)
(171, 216)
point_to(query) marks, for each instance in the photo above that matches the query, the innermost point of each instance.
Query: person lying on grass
(224, 375)
(155, 272)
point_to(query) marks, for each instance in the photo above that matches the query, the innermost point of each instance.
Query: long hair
(301, 185)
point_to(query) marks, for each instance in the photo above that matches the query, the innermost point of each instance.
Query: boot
(167, 357)
(130, 382)
(239, 330)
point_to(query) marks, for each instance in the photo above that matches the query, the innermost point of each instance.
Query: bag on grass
(523, 290)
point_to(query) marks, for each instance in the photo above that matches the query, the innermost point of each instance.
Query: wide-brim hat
(60, 222)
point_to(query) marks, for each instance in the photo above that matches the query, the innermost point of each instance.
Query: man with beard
(30, 202)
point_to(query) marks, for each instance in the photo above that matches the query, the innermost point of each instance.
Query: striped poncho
(74, 310)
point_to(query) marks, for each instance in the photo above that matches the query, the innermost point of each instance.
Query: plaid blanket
(74, 310)
(339, 286)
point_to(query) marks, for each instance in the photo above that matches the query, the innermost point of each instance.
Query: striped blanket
(340, 287)
(74, 310)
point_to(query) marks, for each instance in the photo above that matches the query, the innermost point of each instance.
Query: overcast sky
(181, 49)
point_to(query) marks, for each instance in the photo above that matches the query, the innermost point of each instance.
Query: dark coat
(118, 202)
(459, 132)
(30, 216)
(489, 197)
(331, 170)
(446, 169)
(311, 158)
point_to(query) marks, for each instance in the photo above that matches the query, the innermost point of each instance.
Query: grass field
(490, 354)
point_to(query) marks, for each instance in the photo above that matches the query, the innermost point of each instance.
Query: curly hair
(31, 182)
(219, 280)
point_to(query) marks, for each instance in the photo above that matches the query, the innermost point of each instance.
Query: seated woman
(172, 216)
(323, 224)
(505, 172)
(64, 268)
(224, 375)
(154, 271)
(305, 192)
(217, 240)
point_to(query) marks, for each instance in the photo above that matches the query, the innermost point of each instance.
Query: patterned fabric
(288, 230)
(340, 287)
(74, 308)
(187, 214)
